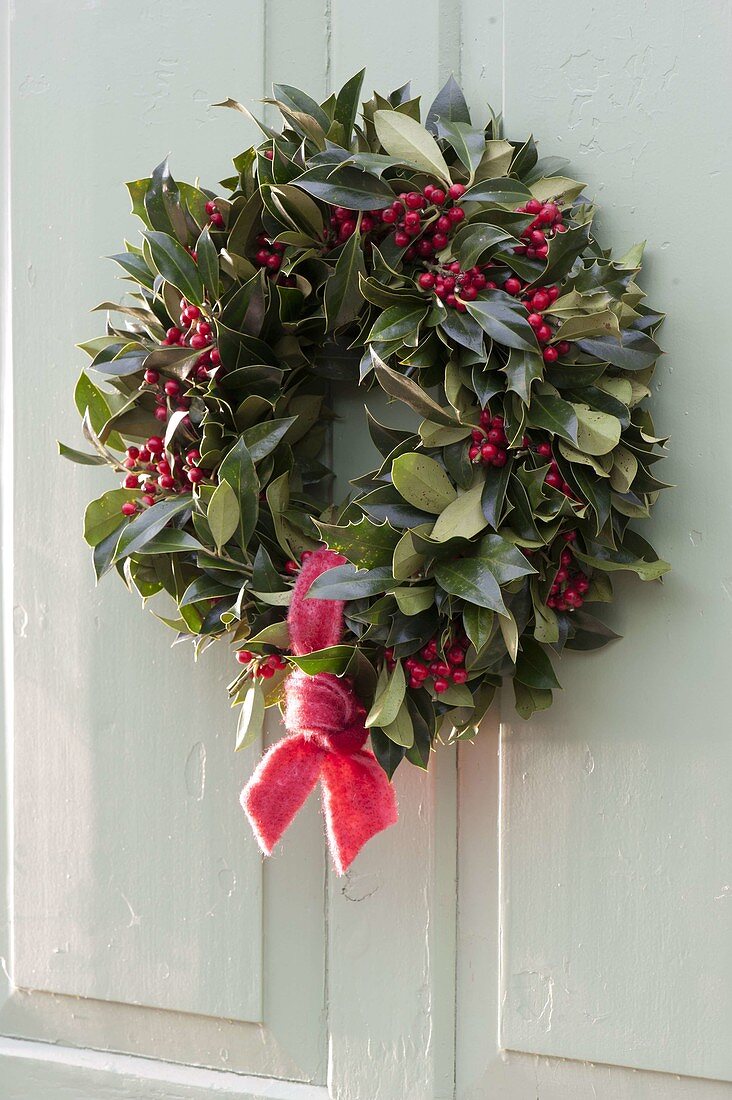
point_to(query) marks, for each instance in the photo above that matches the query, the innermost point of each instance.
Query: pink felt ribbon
(325, 720)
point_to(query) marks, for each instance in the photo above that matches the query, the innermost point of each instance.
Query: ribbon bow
(325, 721)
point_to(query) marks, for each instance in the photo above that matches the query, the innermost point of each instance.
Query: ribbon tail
(358, 802)
(283, 780)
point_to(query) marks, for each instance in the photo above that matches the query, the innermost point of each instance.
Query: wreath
(461, 274)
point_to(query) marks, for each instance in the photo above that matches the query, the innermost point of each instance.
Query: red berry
(389, 216)
(198, 341)
(563, 347)
(291, 567)
(172, 387)
(459, 676)
(155, 445)
(133, 452)
(266, 671)
(500, 459)
(210, 206)
(401, 240)
(151, 377)
(512, 286)
(540, 300)
(217, 219)
(195, 475)
(569, 536)
(535, 320)
(456, 190)
(456, 214)
(488, 452)
(192, 457)
(166, 481)
(426, 280)
(191, 313)
(441, 685)
(244, 656)
(474, 452)
(553, 479)
(533, 206)
(545, 450)
(439, 241)
(550, 355)
(147, 499)
(543, 333)
(128, 508)
(413, 200)
(161, 413)
(455, 655)
(438, 196)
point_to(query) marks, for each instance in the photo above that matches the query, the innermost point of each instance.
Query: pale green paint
(610, 811)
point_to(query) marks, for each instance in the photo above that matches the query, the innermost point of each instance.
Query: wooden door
(547, 918)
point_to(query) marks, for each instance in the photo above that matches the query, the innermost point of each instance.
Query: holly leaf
(175, 265)
(366, 544)
(342, 297)
(238, 470)
(223, 513)
(449, 106)
(389, 700)
(422, 482)
(346, 186)
(533, 667)
(404, 137)
(505, 320)
(463, 517)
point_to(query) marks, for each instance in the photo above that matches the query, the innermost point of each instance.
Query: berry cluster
(548, 220)
(260, 667)
(568, 589)
(215, 217)
(194, 332)
(430, 666)
(453, 286)
(432, 212)
(269, 254)
(489, 442)
(158, 476)
(554, 477)
(536, 301)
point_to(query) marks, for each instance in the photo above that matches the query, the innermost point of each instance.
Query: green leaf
(208, 263)
(597, 432)
(103, 515)
(504, 560)
(553, 415)
(449, 106)
(261, 439)
(464, 330)
(366, 544)
(342, 296)
(80, 457)
(635, 350)
(503, 192)
(404, 137)
(589, 632)
(600, 323)
(625, 467)
(145, 526)
(301, 102)
(401, 730)
(389, 700)
(494, 493)
(533, 667)
(89, 397)
(345, 582)
(223, 513)
(170, 541)
(476, 239)
(505, 320)
(614, 561)
(397, 323)
(404, 389)
(388, 754)
(251, 718)
(414, 598)
(335, 659)
(523, 369)
(176, 266)
(238, 470)
(345, 186)
(478, 623)
(510, 634)
(529, 700)
(471, 580)
(346, 105)
(463, 517)
(556, 188)
(422, 482)
(468, 143)
(564, 248)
